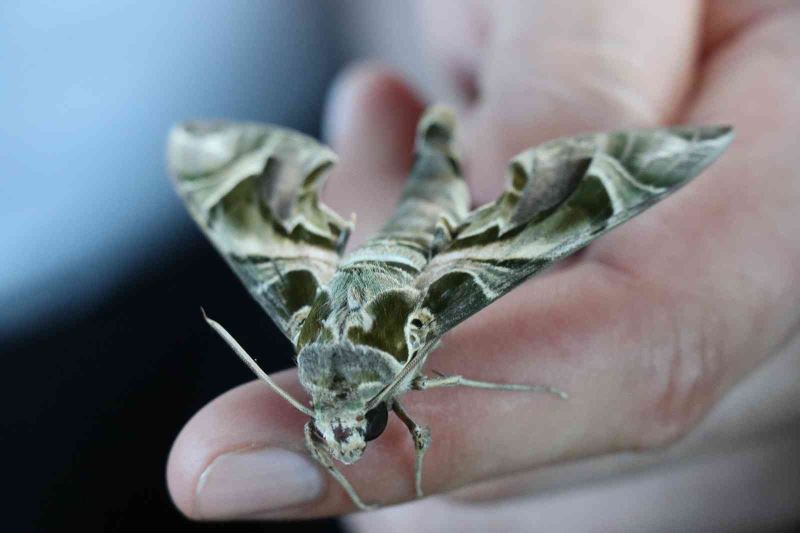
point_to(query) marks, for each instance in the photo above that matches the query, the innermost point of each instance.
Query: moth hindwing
(363, 324)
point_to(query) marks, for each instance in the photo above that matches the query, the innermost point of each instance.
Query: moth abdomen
(435, 194)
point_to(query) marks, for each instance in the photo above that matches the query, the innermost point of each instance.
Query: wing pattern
(559, 197)
(254, 190)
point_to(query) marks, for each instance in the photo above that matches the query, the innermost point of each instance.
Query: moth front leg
(422, 439)
(321, 456)
(425, 383)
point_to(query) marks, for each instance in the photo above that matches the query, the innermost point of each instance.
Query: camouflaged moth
(364, 323)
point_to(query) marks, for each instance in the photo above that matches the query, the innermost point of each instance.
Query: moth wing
(254, 190)
(560, 196)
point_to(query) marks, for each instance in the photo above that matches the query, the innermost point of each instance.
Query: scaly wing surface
(254, 190)
(560, 196)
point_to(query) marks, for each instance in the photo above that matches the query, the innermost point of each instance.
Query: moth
(364, 323)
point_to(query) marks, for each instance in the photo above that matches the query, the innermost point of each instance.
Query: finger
(711, 276)
(734, 228)
(370, 120)
(725, 18)
(717, 267)
(224, 464)
(457, 35)
(220, 465)
(752, 196)
(633, 356)
(544, 71)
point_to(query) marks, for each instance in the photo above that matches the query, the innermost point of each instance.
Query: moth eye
(417, 323)
(376, 422)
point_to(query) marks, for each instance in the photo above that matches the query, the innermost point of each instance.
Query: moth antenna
(249, 361)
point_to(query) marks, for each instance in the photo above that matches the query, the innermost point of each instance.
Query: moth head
(342, 379)
(345, 435)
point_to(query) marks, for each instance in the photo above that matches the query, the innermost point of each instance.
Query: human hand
(646, 329)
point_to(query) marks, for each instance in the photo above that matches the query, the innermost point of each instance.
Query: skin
(650, 326)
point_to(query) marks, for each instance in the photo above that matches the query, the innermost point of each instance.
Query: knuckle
(685, 371)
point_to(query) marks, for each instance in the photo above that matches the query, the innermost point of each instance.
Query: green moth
(364, 323)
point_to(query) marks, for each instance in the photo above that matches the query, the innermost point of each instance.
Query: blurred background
(102, 274)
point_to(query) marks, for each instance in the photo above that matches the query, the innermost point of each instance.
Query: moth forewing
(364, 326)
(254, 190)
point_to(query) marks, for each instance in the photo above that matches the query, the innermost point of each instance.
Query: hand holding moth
(595, 328)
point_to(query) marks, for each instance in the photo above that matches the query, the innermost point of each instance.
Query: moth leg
(422, 439)
(322, 457)
(425, 382)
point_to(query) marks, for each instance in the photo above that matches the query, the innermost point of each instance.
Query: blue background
(88, 90)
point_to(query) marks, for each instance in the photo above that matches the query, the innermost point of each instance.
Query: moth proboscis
(363, 324)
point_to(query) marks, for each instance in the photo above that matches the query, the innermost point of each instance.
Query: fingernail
(242, 483)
